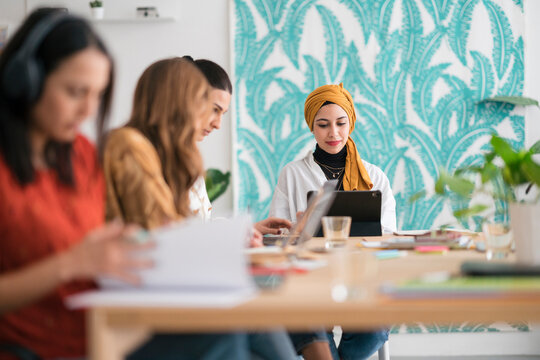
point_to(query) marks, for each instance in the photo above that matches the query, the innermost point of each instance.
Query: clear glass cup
(351, 269)
(336, 230)
(498, 239)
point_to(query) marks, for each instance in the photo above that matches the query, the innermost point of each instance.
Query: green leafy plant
(503, 171)
(217, 183)
(96, 4)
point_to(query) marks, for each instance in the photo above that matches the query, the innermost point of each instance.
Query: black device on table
(494, 268)
(364, 207)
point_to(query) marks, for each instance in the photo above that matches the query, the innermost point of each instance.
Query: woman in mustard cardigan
(152, 163)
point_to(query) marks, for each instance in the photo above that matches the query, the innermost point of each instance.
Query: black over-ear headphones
(23, 74)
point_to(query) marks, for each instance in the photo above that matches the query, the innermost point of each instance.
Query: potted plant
(97, 9)
(500, 188)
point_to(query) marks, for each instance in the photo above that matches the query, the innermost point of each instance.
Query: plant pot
(98, 12)
(525, 224)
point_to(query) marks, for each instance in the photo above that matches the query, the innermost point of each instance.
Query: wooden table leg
(106, 343)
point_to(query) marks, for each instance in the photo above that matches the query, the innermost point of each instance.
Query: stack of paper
(196, 264)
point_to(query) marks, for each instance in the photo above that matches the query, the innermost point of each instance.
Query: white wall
(201, 29)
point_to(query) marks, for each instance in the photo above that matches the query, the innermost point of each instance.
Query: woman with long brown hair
(152, 163)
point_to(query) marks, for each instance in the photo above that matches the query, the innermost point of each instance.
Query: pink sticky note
(431, 249)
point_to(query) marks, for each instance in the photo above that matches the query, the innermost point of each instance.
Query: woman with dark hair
(220, 99)
(55, 73)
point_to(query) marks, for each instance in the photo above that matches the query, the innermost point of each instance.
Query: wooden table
(304, 301)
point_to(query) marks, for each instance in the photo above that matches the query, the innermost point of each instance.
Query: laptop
(318, 205)
(364, 207)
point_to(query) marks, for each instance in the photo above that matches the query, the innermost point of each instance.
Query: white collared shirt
(299, 177)
(199, 203)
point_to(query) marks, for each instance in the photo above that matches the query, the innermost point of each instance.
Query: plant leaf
(440, 183)
(535, 149)
(417, 196)
(532, 170)
(455, 183)
(504, 150)
(216, 183)
(489, 172)
(489, 156)
(460, 185)
(514, 100)
(468, 212)
(469, 169)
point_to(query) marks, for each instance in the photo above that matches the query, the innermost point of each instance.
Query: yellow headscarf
(356, 176)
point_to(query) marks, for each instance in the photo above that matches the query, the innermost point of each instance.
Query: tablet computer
(364, 207)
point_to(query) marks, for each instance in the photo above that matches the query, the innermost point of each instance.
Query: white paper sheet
(160, 298)
(196, 264)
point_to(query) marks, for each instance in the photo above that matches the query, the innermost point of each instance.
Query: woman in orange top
(54, 73)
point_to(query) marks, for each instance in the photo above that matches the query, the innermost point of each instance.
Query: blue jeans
(263, 346)
(357, 345)
(193, 346)
(301, 340)
(270, 346)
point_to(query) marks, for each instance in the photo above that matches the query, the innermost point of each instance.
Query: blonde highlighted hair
(170, 100)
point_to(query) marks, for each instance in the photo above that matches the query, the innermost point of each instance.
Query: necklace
(335, 174)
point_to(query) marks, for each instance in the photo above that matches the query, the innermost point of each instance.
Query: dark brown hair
(217, 76)
(170, 100)
(65, 39)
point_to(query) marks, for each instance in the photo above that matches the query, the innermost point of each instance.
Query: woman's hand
(106, 251)
(256, 239)
(272, 225)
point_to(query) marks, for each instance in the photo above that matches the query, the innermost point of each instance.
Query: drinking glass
(336, 230)
(498, 239)
(351, 269)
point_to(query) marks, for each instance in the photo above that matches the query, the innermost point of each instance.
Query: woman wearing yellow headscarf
(329, 114)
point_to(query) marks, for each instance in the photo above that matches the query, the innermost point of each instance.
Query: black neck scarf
(331, 163)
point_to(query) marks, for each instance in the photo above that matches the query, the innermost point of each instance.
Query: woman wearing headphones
(329, 114)
(54, 73)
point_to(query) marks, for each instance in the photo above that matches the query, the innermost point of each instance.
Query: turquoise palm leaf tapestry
(416, 69)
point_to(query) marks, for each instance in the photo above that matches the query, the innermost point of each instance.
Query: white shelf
(134, 20)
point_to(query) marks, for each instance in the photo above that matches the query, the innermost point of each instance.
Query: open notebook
(196, 264)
